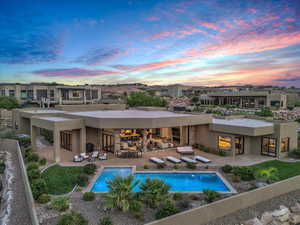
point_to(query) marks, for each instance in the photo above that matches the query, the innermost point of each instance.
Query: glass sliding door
(239, 145)
(268, 146)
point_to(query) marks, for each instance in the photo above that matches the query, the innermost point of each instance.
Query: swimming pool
(179, 181)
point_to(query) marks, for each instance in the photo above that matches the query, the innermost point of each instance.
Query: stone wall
(5, 118)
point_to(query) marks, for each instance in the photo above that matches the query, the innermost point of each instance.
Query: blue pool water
(177, 181)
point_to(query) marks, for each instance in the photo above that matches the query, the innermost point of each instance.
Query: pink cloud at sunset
(213, 26)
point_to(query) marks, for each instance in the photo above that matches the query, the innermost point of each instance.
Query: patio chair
(173, 159)
(188, 160)
(77, 158)
(95, 154)
(202, 159)
(103, 156)
(185, 150)
(157, 160)
(84, 155)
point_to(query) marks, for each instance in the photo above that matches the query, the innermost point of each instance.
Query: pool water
(194, 182)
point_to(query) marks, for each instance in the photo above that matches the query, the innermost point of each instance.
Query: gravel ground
(257, 210)
(19, 212)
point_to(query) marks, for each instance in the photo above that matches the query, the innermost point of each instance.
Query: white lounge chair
(202, 159)
(77, 158)
(185, 150)
(157, 160)
(188, 160)
(84, 155)
(95, 154)
(103, 156)
(173, 159)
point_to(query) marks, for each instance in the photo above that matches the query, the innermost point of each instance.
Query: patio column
(183, 135)
(56, 144)
(233, 146)
(82, 140)
(117, 141)
(33, 138)
(144, 136)
(59, 97)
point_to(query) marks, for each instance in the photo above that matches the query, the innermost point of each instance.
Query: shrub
(222, 153)
(136, 206)
(226, 168)
(195, 146)
(33, 174)
(72, 218)
(177, 196)
(60, 204)
(167, 209)
(236, 178)
(176, 166)
(24, 141)
(33, 157)
(161, 165)
(82, 180)
(90, 168)
(32, 166)
(210, 195)
(2, 167)
(245, 172)
(184, 204)
(88, 196)
(268, 175)
(194, 197)
(191, 166)
(146, 166)
(105, 220)
(43, 162)
(38, 187)
(44, 198)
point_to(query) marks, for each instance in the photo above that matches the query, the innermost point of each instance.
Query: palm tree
(120, 195)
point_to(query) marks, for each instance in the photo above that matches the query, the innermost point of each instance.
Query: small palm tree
(120, 195)
(268, 175)
(154, 191)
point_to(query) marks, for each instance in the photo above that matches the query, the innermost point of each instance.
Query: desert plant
(176, 166)
(82, 180)
(60, 204)
(194, 197)
(72, 218)
(105, 220)
(154, 191)
(90, 168)
(184, 204)
(160, 165)
(191, 166)
(38, 187)
(88, 196)
(120, 193)
(146, 166)
(44, 198)
(226, 168)
(167, 209)
(210, 195)
(177, 196)
(245, 172)
(268, 175)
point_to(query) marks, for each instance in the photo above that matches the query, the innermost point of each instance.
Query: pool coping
(232, 190)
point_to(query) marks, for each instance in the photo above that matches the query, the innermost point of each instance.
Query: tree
(195, 99)
(154, 191)
(8, 102)
(121, 195)
(145, 99)
(265, 112)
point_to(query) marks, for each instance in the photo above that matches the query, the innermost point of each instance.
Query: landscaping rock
(254, 221)
(260, 184)
(295, 208)
(266, 218)
(283, 210)
(284, 218)
(295, 219)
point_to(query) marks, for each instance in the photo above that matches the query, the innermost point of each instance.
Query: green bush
(222, 153)
(161, 165)
(177, 196)
(146, 166)
(268, 175)
(44, 198)
(60, 204)
(24, 141)
(8, 102)
(72, 218)
(90, 168)
(33, 157)
(196, 146)
(226, 168)
(176, 166)
(33, 174)
(210, 195)
(105, 220)
(265, 112)
(144, 99)
(82, 180)
(194, 197)
(167, 209)
(191, 166)
(2, 167)
(38, 187)
(245, 172)
(43, 162)
(88, 196)
(184, 204)
(32, 166)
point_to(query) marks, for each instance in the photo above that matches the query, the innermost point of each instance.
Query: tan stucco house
(142, 130)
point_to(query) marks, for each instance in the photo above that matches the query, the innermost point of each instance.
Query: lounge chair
(95, 154)
(157, 160)
(185, 150)
(202, 159)
(173, 159)
(77, 158)
(84, 155)
(103, 156)
(188, 160)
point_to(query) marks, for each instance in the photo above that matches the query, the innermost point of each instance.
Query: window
(285, 142)
(224, 143)
(23, 94)
(30, 94)
(66, 140)
(2, 92)
(11, 93)
(51, 93)
(94, 94)
(76, 94)
(268, 146)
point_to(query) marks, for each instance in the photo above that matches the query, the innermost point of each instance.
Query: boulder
(296, 208)
(283, 210)
(266, 218)
(283, 218)
(295, 219)
(254, 221)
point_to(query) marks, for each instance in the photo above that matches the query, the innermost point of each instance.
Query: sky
(156, 42)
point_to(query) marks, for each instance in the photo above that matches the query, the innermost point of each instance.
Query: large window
(76, 94)
(66, 140)
(285, 142)
(268, 146)
(11, 93)
(23, 94)
(224, 143)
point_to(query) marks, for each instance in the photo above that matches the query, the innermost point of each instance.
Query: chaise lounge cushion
(202, 159)
(185, 150)
(156, 160)
(188, 160)
(173, 159)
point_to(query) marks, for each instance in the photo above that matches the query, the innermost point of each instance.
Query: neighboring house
(114, 130)
(52, 94)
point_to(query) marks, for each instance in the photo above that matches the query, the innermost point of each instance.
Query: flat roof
(243, 122)
(129, 114)
(41, 111)
(54, 118)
